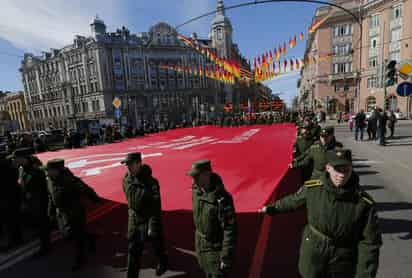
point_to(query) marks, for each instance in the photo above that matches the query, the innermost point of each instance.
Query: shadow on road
(371, 187)
(363, 173)
(397, 226)
(393, 206)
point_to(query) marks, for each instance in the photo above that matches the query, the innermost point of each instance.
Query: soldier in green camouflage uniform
(35, 196)
(214, 219)
(342, 238)
(66, 192)
(303, 141)
(317, 153)
(144, 207)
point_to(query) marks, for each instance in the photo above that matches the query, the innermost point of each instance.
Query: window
(372, 82)
(346, 87)
(342, 67)
(219, 34)
(374, 21)
(396, 34)
(371, 103)
(397, 12)
(395, 56)
(342, 30)
(342, 50)
(373, 62)
(374, 43)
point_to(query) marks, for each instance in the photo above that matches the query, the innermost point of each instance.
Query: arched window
(370, 103)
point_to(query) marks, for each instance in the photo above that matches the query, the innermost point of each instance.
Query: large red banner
(251, 160)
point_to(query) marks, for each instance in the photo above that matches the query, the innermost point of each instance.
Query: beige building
(341, 83)
(15, 105)
(387, 36)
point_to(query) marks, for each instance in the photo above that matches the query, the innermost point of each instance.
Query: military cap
(132, 157)
(22, 152)
(55, 163)
(341, 157)
(328, 130)
(200, 166)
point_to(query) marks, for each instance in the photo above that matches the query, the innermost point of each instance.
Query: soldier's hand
(263, 210)
(290, 165)
(223, 266)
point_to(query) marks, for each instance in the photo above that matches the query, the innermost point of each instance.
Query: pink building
(341, 83)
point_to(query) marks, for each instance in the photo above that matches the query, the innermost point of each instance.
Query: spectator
(360, 120)
(391, 124)
(383, 119)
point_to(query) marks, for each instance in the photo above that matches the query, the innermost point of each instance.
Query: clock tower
(221, 32)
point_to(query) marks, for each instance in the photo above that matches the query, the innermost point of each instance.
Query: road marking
(367, 162)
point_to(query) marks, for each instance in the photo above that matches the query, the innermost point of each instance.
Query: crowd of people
(376, 125)
(341, 238)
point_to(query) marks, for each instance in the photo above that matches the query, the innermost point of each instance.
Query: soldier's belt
(329, 240)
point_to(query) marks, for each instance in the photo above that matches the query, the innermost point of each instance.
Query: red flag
(271, 57)
(285, 64)
(301, 36)
(291, 43)
(284, 49)
(258, 60)
(280, 50)
(291, 65)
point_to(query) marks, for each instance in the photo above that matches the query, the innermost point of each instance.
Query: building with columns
(80, 81)
(354, 78)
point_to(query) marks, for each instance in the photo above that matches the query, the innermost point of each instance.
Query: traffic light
(391, 73)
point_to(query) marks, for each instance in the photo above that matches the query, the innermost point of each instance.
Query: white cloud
(43, 24)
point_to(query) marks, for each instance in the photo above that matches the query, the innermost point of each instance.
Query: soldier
(317, 153)
(35, 196)
(214, 219)
(303, 141)
(66, 192)
(144, 207)
(342, 238)
(10, 202)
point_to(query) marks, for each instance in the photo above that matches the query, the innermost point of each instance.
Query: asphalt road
(386, 175)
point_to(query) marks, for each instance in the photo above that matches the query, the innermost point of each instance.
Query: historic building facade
(353, 78)
(80, 81)
(13, 104)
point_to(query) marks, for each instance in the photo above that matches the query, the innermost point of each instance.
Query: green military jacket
(143, 200)
(66, 193)
(215, 221)
(316, 155)
(302, 145)
(346, 215)
(315, 131)
(35, 193)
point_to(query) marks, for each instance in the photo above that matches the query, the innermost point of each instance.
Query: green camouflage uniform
(216, 228)
(342, 237)
(316, 155)
(66, 192)
(144, 209)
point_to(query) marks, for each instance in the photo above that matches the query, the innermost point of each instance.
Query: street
(385, 173)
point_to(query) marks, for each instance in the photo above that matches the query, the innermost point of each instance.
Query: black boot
(162, 266)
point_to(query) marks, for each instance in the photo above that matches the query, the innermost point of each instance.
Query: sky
(35, 26)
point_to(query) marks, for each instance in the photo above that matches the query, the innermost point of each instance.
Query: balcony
(342, 40)
(342, 59)
(394, 46)
(343, 75)
(373, 32)
(396, 23)
(373, 52)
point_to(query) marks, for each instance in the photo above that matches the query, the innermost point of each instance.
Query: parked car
(400, 116)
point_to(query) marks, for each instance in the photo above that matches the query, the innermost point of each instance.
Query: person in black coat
(383, 120)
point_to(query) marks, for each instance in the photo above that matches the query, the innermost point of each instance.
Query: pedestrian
(383, 120)
(35, 196)
(373, 124)
(215, 221)
(342, 237)
(67, 192)
(350, 123)
(144, 208)
(315, 157)
(391, 123)
(360, 120)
